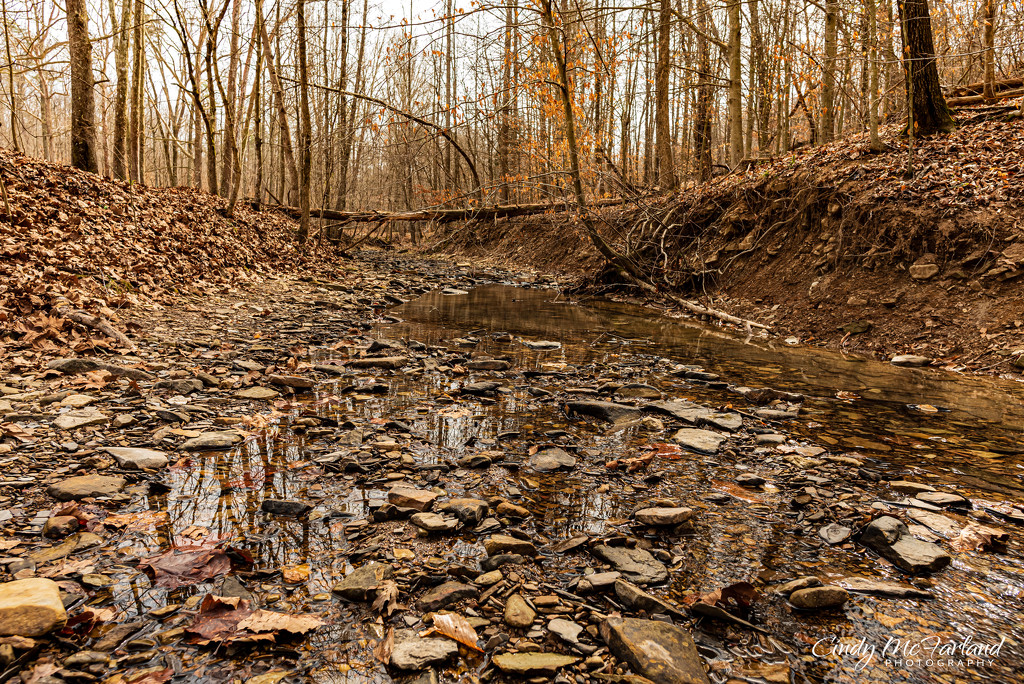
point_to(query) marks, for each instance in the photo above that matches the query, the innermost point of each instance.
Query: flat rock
(663, 516)
(834, 533)
(210, 441)
(636, 598)
(72, 420)
(636, 565)
(566, 630)
(863, 585)
(684, 411)
(546, 345)
(481, 389)
(387, 362)
(518, 613)
(447, 594)
(552, 458)
(488, 365)
(797, 584)
(434, 522)
(131, 458)
(413, 652)
(294, 381)
(701, 441)
(30, 607)
(937, 522)
(78, 401)
(944, 499)
(908, 487)
(730, 422)
(503, 543)
(819, 598)
(74, 543)
(662, 652)
(256, 393)
(891, 539)
(285, 507)
(469, 511)
(525, 664)
(607, 411)
(361, 583)
(410, 497)
(78, 366)
(638, 390)
(85, 486)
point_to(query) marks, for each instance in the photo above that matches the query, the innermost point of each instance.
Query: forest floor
(304, 467)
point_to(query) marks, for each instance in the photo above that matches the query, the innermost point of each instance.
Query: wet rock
(409, 497)
(685, 411)
(770, 439)
(502, 543)
(663, 517)
(413, 652)
(60, 526)
(256, 393)
(385, 362)
(833, 533)
(730, 422)
(481, 388)
(891, 539)
(659, 651)
(566, 630)
(434, 523)
(701, 441)
(636, 598)
(488, 365)
(911, 360)
(210, 441)
(638, 391)
(818, 598)
(30, 607)
(944, 499)
(598, 581)
(447, 594)
(285, 507)
(77, 366)
(518, 613)
(131, 458)
(74, 543)
(85, 486)
(494, 562)
(797, 584)
(947, 527)
(511, 510)
(383, 345)
(72, 420)
(361, 583)
(551, 459)
(910, 487)
(636, 565)
(546, 345)
(525, 664)
(469, 511)
(475, 461)
(863, 585)
(750, 481)
(296, 382)
(607, 411)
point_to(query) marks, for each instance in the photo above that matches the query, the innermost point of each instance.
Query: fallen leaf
(387, 597)
(382, 651)
(268, 621)
(978, 537)
(455, 627)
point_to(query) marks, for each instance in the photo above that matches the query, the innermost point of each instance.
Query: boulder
(662, 652)
(30, 607)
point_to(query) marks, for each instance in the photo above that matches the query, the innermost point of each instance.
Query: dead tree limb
(65, 310)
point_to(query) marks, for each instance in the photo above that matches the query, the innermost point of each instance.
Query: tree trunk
(305, 126)
(705, 93)
(828, 85)
(121, 45)
(288, 154)
(666, 163)
(83, 130)
(928, 111)
(135, 133)
(735, 86)
(10, 76)
(990, 49)
(872, 12)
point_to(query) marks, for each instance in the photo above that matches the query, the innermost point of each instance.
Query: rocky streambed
(422, 471)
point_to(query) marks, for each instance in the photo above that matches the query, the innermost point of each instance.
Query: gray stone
(701, 441)
(944, 499)
(447, 594)
(636, 565)
(566, 630)
(730, 422)
(72, 420)
(412, 652)
(546, 345)
(835, 533)
(598, 581)
(30, 607)
(685, 411)
(469, 511)
(663, 653)
(891, 539)
(518, 613)
(361, 584)
(211, 441)
(132, 458)
(607, 411)
(817, 598)
(663, 516)
(551, 459)
(85, 486)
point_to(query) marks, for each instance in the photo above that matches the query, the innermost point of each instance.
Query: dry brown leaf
(382, 651)
(387, 598)
(978, 537)
(263, 621)
(455, 627)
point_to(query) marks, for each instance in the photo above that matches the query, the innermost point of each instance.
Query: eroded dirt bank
(491, 483)
(832, 246)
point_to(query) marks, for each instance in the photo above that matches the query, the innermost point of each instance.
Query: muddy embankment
(836, 246)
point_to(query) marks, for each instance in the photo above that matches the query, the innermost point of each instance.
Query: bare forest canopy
(359, 107)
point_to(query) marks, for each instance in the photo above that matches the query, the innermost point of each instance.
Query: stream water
(929, 426)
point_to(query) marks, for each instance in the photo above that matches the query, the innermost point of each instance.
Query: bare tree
(83, 111)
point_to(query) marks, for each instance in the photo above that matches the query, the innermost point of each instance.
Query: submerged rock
(662, 652)
(891, 539)
(607, 411)
(550, 459)
(811, 598)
